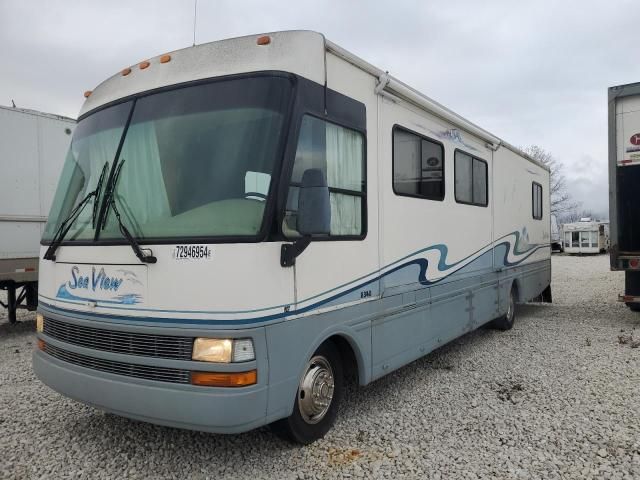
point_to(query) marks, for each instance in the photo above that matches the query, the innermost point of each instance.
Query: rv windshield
(196, 161)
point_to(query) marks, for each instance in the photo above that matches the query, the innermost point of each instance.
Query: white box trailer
(586, 236)
(32, 150)
(278, 211)
(624, 191)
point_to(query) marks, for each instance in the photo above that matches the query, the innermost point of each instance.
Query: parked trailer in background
(258, 224)
(585, 236)
(624, 187)
(32, 150)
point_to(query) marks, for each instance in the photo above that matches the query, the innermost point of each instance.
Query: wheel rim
(316, 390)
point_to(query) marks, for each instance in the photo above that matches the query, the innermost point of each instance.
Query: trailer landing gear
(19, 295)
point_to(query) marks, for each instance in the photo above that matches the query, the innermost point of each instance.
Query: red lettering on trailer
(635, 139)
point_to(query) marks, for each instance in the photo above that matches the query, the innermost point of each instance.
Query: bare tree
(561, 201)
(575, 216)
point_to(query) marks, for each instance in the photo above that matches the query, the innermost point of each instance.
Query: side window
(536, 197)
(418, 166)
(339, 153)
(471, 180)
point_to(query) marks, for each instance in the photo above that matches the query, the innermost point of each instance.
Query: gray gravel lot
(556, 397)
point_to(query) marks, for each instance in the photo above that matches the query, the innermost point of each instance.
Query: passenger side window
(418, 166)
(471, 180)
(339, 153)
(536, 196)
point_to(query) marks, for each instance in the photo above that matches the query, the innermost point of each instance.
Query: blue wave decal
(516, 250)
(125, 299)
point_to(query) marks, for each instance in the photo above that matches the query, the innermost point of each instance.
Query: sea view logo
(100, 281)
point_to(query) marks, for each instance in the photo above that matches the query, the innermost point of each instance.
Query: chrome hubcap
(316, 390)
(511, 308)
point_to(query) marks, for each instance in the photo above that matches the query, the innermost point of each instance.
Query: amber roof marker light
(165, 58)
(264, 40)
(87, 93)
(126, 72)
(143, 65)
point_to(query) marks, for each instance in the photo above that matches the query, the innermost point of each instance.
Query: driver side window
(339, 153)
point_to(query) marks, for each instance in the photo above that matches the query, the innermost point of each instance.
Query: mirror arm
(290, 251)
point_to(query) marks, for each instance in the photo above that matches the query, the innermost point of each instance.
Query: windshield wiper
(65, 226)
(110, 201)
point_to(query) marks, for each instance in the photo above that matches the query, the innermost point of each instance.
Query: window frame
(455, 193)
(533, 201)
(355, 193)
(393, 163)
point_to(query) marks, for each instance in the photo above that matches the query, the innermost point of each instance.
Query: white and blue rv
(240, 224)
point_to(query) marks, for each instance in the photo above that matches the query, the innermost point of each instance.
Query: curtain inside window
(338, 152)
(141, 185)
(344, 170)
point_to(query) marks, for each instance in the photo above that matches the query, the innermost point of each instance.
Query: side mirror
(314, 214)
(314, 207)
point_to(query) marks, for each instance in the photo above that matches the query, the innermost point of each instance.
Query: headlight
(223, 350)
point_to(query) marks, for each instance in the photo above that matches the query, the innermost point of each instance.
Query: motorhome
(586, 236)
(624, 195)
(241, 225)
(32, 149)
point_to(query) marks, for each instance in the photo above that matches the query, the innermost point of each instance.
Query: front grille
(143, 344)
(162, 374)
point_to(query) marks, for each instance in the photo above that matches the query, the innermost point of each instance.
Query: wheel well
(349, 361)
(514, 286)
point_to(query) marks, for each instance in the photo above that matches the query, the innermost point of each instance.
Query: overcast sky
(534, 73)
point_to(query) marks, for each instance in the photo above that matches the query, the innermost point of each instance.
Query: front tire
(317, 398)
(506, 322)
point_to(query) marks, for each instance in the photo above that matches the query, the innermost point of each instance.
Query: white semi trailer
(32, 150)
(624, 178)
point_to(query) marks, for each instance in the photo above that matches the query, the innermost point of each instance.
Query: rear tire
(317, 398)
(634, 307)
(506, 322)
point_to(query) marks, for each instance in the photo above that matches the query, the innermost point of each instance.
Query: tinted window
(339, 153)
(536, 196)
(418, 166)
(471, 177)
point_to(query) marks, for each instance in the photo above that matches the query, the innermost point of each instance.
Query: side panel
(520, 239)
(438, 280)
(32, 151)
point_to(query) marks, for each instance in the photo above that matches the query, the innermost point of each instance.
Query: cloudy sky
(529, 72)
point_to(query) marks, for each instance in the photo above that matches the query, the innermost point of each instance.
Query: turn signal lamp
(264, 40)
(230, 379)
(39, 323)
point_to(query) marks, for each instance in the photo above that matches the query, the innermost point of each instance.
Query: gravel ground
(556, 397)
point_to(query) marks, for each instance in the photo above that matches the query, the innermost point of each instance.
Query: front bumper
(182, 405)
